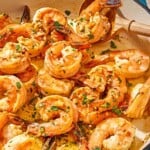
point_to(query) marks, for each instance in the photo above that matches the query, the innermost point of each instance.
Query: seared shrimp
(62, 60)
(4, 20)
(92, 24)
(12, 93)
(112, 134)
(13, 58)
(28, 77)
(49, 18)
(58, 113)
(11, 32)
(23, 141)
(91, 109)
(49, 85)
(4, 119)
(132, 63)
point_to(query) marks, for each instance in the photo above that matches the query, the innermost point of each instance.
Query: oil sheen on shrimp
(112, 134)
(13, 58)
(132, 62)
(49, 85)
(12, 93)
(91, 25)
(91, 109)
(58, 114)
(49, 18)
(23, 141)
(28, 78)
(11, 32)
(62, 60)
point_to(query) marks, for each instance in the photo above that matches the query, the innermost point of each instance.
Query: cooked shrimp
(62, 60)
(92, 24)
(33, 45)
(12, 93)
(9, 131)
(102, 77)
(11, 32)
(89, 29)
(49, 18)
(28, 77)
(4, 119)
(139, 101)
(132, 63)
(13, 58)
(4, 20)
(112, 134)
(23, 141)
(91, 109)
(58, 114)
(49, 85)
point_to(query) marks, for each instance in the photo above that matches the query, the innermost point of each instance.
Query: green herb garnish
(112, 44)
(54, 108)
(117, 111)
(105, 105)
(105, 51)
(67, 12)
(86, 100)
(18, 84)
(18, 48)
(57, 25)
(91, 36)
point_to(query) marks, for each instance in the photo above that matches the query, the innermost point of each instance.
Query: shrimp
(4, 119)
(132, 63)
(112, 134)
(139, 102)
(28, 77)
(62, 60)
(11, 32)
(101, 76)
(50, 85)
(91, 109)
(58, 113)
(12, 93)
(4, 20)
(13, 58)
(110, 88)
(49, 18)
(92, 25)
(23, 141)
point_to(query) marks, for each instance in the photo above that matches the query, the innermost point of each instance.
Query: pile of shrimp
(55, 93)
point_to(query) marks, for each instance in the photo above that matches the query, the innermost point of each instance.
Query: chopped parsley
(18, 48)
(18, 85)
(91, 36)
(106, 105)
(57, 25)
(54, 108)
(97, 148)
(112, 44)
(86, 100)
(117, 111)
(105, 51)
(67, 12)
(129, 84)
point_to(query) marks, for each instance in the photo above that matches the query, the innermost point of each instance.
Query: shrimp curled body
(12, 93)
(13, 58)
(112, 134)
(62, 60)
(58, 114)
